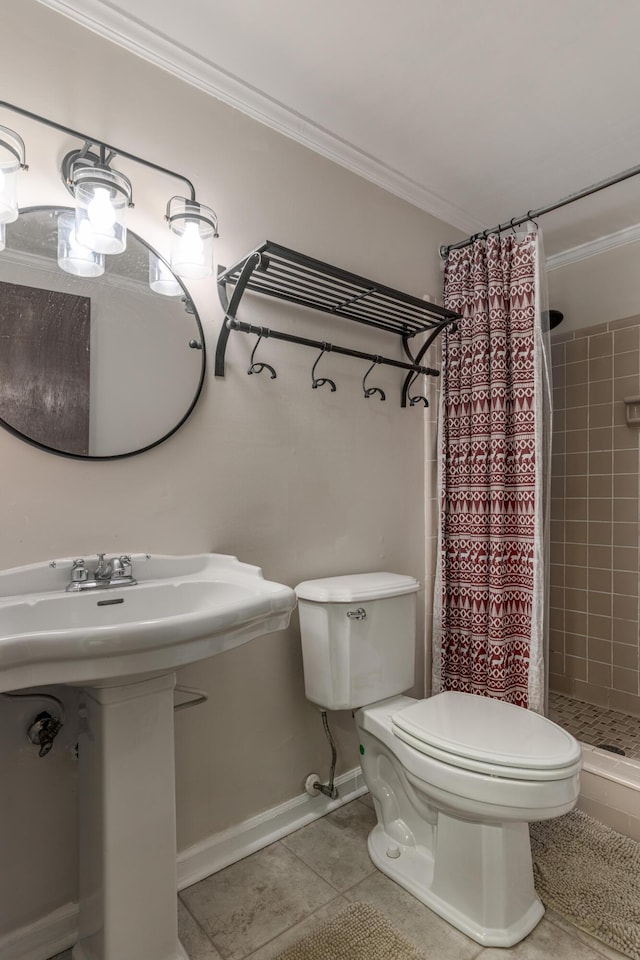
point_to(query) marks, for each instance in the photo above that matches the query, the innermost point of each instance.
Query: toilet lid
(460, 727)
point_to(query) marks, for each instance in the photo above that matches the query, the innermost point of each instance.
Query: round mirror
(99, 365)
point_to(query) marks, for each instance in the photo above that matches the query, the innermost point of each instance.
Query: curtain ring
(512, 226)
(531, 220)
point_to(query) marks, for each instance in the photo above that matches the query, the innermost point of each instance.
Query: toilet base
(480, 881)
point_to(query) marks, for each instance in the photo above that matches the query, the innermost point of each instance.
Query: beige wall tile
(625, 582)
(575, 622)
(626, 702)
(626, 339)
(599, 533)
(575, 645)
(575, 599)
(600, 368)
(599, 462)
(599, 509)
(576, 531)
(598, 673)
(623, 387)
(625, 655)
(598, 604)
(600, 392)
(576, 373)
(625, 534)
(598, 650)
(625, 558)
(599, 556)
(626, 364)
(626, 485)
(600, 415)
(601, 438)
(575, 577)
(577, 486)
(601, 345)
(625, 631)
(591, 692)
(625, 437)
(599, 628)
(625, 680)
(578, 395)
(599, 581)
(576, 350)
(625, 608)
(575, 668)
(625, 461)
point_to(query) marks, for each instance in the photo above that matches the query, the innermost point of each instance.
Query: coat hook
(315, 383)
(371, 391)
(259, 367)
(418, 398)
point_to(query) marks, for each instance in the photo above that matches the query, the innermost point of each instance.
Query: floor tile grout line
(198, 924)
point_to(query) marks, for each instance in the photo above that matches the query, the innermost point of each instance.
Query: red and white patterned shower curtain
(489, 599)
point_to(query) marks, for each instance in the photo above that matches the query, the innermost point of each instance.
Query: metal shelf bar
(272, 270)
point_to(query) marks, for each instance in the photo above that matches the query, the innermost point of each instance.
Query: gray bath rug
(358, 933)
(591, 876)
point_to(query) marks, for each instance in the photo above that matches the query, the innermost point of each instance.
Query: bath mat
(358, 933)
(590, 875)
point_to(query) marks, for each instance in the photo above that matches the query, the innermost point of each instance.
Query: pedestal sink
(121, 645)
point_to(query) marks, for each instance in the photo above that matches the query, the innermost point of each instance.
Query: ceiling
(474, 111)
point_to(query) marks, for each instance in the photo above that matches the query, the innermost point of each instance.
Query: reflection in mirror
(99, 359)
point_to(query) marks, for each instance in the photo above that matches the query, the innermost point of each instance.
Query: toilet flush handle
(359, 614)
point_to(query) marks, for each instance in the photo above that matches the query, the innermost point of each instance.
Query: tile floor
(596, 725)
(258, 906)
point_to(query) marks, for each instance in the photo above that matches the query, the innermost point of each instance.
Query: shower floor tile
(596, 725)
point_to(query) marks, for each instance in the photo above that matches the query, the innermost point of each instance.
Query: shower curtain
(489, 604)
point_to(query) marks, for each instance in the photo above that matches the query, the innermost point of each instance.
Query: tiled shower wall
(594, 516)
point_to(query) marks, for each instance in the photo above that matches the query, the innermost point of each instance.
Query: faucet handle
(127, 566)
(79, 572)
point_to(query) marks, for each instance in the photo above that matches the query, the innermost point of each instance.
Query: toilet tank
(358, 638)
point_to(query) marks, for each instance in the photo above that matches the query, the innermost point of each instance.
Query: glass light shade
(74, 257)
(102, 197)
(11, 150)
(161, 279)
(3, 236)
(193, 229)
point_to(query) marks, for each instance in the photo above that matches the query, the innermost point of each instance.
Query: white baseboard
(229, 846)
(44, 938)
(59, 930)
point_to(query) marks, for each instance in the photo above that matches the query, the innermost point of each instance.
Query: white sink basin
(182, 609)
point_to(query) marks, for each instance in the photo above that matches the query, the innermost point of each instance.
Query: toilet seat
(488, 736)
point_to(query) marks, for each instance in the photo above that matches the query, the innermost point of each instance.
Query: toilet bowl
(455, 778)
(453, 828)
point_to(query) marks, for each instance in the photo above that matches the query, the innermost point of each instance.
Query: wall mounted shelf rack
(276, 271)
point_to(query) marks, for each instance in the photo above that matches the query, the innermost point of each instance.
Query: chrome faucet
(113, 572)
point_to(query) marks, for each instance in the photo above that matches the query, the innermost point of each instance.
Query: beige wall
(303, 483)
(597, 289)
(595, 519)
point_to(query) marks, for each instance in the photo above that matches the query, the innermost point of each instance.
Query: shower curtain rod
(532, 214)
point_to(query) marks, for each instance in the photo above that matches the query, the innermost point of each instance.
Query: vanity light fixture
(12, 159)
(73, 256)
(193, 227)
(161, 279)
(102, 197)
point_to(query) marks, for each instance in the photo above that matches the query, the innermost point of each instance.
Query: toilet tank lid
(355, 587)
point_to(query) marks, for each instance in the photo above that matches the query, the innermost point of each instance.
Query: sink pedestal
(128, 885)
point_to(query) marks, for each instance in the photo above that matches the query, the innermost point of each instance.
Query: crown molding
(108, 22)
(621, 238)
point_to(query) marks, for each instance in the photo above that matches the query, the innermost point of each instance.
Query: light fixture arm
(103, 147)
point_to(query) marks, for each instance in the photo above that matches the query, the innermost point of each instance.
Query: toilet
(455, 778)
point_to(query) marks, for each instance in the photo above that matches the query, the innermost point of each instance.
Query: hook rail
(321, 345)
(276, 271)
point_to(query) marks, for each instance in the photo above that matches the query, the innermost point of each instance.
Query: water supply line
(313, 785)
(44, 728)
